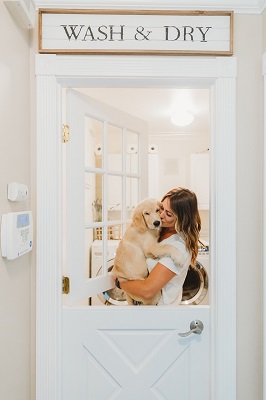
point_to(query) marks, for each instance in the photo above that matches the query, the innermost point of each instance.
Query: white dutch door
(118, 352)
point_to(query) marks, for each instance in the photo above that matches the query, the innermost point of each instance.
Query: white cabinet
(200, 178)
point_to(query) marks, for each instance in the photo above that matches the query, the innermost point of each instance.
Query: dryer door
(115, 296)
(195, 286)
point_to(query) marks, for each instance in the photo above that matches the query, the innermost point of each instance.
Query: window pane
(114, 197)
(115, 232)
(114, 148)
(96, 257)
(93, 142)
(132, 193)
(89, 237)
(132, 144)
(93, 198)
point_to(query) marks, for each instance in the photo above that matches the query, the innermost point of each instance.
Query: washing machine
(196, 285)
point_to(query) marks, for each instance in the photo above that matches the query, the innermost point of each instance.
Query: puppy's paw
(150, 255)
(178, 258)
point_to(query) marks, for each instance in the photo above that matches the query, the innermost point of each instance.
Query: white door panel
(79, 107)
(115, 353)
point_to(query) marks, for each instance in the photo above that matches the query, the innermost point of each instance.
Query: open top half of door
(105, 171)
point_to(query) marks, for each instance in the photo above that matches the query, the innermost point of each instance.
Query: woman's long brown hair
(184, 205)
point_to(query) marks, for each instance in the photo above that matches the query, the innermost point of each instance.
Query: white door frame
(264, 232)
(217, 73)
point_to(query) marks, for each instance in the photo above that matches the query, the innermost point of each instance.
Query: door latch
(196, 326)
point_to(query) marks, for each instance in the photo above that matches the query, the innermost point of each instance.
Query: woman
(181, 225)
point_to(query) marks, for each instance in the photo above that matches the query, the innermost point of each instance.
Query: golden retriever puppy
(140, 241)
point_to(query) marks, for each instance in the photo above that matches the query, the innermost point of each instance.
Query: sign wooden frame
(137, 32)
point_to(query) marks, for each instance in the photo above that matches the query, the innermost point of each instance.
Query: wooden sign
(135, 32)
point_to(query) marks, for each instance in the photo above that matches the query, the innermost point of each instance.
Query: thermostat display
(16, 234)
(23, 220)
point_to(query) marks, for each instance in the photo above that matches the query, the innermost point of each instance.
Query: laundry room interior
(178, 154)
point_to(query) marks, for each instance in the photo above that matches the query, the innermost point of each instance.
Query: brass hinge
(65, 285)
(66, 133)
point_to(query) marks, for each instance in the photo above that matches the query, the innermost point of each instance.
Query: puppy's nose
(157, 223)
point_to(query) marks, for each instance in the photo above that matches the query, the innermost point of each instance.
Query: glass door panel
(94, 129)
(114, 147)
(132, 146)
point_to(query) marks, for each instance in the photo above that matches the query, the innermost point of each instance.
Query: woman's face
(167, 216)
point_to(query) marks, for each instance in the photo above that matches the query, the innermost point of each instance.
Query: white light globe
(182, 118)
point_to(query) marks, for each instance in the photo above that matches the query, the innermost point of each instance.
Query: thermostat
(16, 234)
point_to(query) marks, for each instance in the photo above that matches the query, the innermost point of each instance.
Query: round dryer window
(195, 286)
(115, 296)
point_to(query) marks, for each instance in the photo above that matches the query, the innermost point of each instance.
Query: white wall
(174, 158)
(15, 276)
(248, 49)
(264, 32)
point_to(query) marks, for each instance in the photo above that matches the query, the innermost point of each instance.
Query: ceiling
(157, 105)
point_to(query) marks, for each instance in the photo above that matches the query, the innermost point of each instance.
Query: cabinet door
(200, 178)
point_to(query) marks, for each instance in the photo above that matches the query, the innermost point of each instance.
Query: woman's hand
(149, 287)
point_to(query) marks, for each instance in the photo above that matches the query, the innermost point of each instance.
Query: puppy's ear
(139, 222)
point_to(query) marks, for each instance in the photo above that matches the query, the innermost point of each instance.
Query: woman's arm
(156, 280)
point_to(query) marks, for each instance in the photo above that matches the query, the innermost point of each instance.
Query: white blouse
(172, 291)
